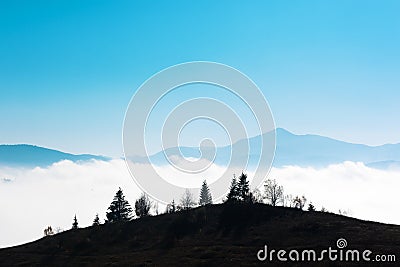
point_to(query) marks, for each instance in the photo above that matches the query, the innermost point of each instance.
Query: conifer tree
(243, 189)
(233, 191)
(120, 209)
(205, 195)
(96, 220)
(75, 223)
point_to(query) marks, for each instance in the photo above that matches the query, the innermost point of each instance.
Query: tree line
(120, 209)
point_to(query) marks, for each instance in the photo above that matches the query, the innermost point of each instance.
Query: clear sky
(69, 68)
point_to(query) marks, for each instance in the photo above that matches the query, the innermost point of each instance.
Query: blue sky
(69, 68)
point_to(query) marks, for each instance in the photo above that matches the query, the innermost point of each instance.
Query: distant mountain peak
(308, 150)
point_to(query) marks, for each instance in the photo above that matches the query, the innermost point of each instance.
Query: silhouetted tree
(273, 192)
(205, 195)
(142, 206)
(288, 201)
(256, 196)
(57, 230)
(233, 194)
(171, 207)
(187, 200)
(96, 220)
(243, 188)
(120, 209)
(75, 223)
(155, 207)
(345, 212)
(299, 202)
(311, 207)
(48, 231)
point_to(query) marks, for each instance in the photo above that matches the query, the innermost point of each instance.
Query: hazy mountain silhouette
(291, 149)
(31, 156)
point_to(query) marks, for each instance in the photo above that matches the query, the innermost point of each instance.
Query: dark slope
(32, 156)
(219, 235)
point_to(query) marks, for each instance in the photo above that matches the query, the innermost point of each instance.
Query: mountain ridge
(31, 156)
(305, 150)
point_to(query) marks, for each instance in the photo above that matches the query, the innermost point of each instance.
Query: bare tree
(187, 200)
(58, 230)
(155, 208)
(323, 209)
(288, 201)
(171, 207)
(345, 212)
(142, 206)
(273, 192)
(299, 202)
(256, 196)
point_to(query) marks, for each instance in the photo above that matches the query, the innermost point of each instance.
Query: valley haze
(332, 174)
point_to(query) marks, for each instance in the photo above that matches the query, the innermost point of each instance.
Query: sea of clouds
(33, 198)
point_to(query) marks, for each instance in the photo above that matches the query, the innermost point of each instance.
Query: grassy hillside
(218, 235)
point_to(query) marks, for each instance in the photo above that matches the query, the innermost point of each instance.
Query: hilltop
(216, 235)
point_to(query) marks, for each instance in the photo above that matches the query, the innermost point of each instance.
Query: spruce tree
(96, 220)
(205, 195)
(243, 189)
(75, 223)
(233, 191)
(120, 209)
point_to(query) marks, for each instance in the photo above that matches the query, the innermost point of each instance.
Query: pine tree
(205, 195)
(233, 191)
(96, 220)
(243, 189)
(120, 209)
(75, 223)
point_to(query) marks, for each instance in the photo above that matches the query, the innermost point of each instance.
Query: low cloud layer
(39, 197)
(366, 193)
(32, 199)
